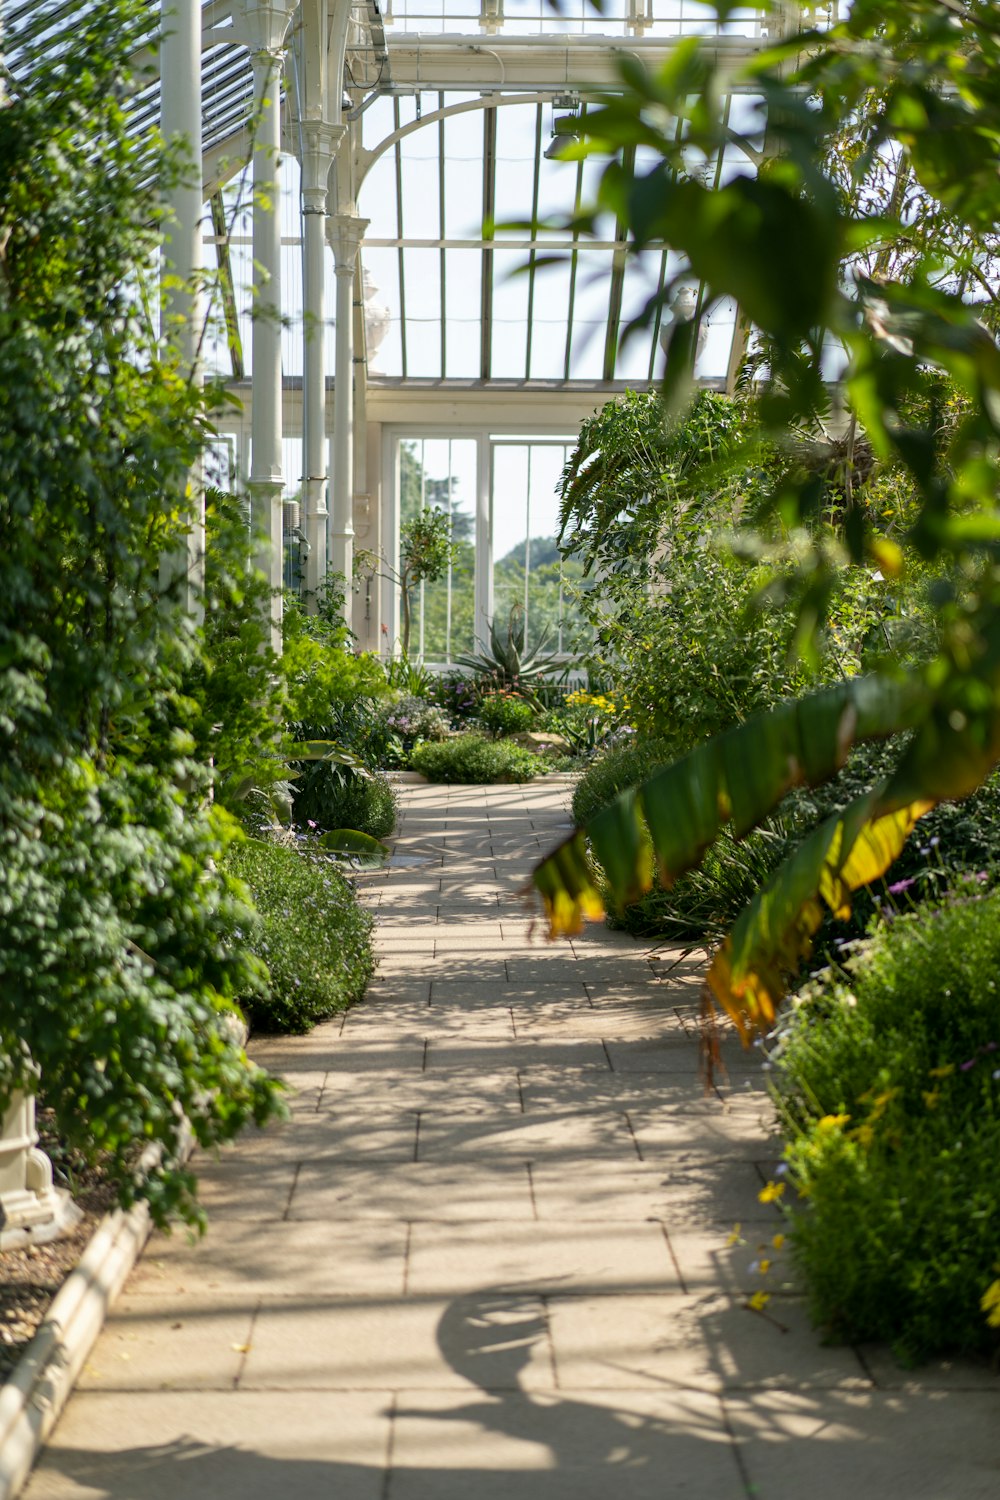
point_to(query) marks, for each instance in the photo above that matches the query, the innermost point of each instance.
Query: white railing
(657, 18)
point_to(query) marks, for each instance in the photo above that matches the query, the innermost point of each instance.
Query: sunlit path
(489, 1255)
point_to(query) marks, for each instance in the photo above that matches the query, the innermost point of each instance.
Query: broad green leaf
(748, 974)
(360, 849)
(741, 775)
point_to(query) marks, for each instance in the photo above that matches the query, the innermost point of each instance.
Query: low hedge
(887, 1077)
(470, 758)
(311, 933)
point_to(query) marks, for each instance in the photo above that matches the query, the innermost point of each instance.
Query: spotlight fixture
(561, 138)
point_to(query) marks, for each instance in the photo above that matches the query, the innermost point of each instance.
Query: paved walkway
(488, 1256)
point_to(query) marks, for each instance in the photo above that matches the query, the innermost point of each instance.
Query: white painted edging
(33, 1398)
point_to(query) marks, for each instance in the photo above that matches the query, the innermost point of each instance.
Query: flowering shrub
(506, 713)
(887, 1076)
(413, 719)
(310, 932)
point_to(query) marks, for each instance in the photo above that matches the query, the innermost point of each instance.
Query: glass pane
(510, 315)
(530, 580)
(440, 474)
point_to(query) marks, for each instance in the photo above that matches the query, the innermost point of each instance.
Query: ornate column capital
(263, 26)
(346, 233)
(320, 144)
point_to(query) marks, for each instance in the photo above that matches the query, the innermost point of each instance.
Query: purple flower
(964, 1067)
(901, 887)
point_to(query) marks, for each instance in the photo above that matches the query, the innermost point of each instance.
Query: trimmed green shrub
(888, 1085)
(310, 932)
(472, 759)
(327, 795)
(506, 713)
(620, 767)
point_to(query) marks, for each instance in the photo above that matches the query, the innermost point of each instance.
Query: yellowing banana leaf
(566, 882)
(668, 822)
(774, 934)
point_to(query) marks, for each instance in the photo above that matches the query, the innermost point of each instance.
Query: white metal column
(346, 234)
(319, 146)
(266, 26)
(181, 264)
(484, 538)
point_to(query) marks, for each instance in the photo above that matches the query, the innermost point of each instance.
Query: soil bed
(30, 1277)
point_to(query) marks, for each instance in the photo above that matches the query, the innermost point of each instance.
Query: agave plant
(507, 664)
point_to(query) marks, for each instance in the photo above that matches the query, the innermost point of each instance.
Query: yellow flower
(931, 1097)
(990, 1304)
(763, 1266)
(832, 1122)
(882, 1102)
(759, 1301)
(771, 1193)
(944, 1072)
(735, 1237)
(778, 1241)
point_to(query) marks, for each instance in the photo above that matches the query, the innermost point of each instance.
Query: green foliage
(327, 795)
(238, 681)
(120, 942)
(889, 1095)
(697, 637)
(405, 676)
(471, 759)
(321, 672)
(456, 693)
(631, 469)
(309, 931)
(426, 551)
(506, 713)
(507, 663)
(620, 768)
(788, 243)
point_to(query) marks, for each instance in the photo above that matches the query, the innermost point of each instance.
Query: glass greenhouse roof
(432, 163)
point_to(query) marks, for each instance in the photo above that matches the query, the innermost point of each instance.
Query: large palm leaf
(664, 826)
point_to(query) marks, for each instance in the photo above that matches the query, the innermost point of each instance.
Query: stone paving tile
(707, 1129)
(538, 1258)
(148, 1345)
(169, 1445)
(377, 1058)
(708, 1193)
(410, 1343)
(435, 1191)
(546, 1089)
(468, 1091)
(388, 1018)
(450, 1274)
(703, 1343)
(573, 1136)
(443, 1021)
(940, 1374)
(828, 1444)
(238, 1258)
(239, 1185)
(521, 1056)
(709, 1261)
(565, 1446)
